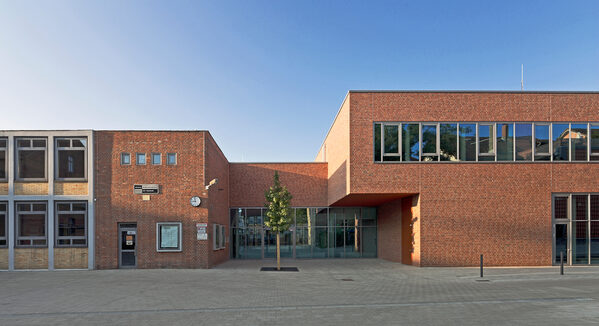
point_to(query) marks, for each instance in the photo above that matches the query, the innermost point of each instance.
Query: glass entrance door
(127, 245)
(561, 243)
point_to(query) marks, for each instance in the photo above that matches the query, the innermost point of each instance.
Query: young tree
(278, 213)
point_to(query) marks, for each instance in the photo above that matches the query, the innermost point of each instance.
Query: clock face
(195, 201)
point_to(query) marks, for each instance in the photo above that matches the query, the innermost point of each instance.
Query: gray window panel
(429, 139)
(31, 224)
(410, 138)
(391, 139)
(594, 137)
(467, 142)
(140, 158)
(486, 142)
(448, 142)
(578, 137)
(71, 224)
(171, 158)
(71, 159)
(542, 142)
(31, 158)
(125, 159)
(156, 159)
(523, 139)
(505, 142)
(561, 142)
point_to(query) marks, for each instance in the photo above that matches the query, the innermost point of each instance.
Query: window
(578, 137)
(31, 159)
(430, 148)
(486, 142)
(561, 143)
(3, 161)
(168, 237)
(140, 159)
(71, 224)
(71, 158)
(31, 219)
(219, 236)
(377, 142)
(156, 159)
(523, 139)
(541, 146)
(505, 142)
(391, 143)
(467, 144)
(448, 140)
(171, 158)
(410, 133)
(3, 224)
(125, 159)
(594, 142)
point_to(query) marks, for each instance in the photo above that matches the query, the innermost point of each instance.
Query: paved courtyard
(324, 292)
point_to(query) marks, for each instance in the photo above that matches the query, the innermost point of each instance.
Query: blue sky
(267, 77)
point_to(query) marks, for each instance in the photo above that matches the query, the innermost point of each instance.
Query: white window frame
(31, 148)
(123, 154)
(70, 148)
(159, 159)
(137, 158)
(180, 239)
(167, 156)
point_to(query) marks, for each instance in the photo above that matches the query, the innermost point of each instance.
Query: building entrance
(127, 245)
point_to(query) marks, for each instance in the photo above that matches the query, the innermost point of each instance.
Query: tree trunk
(278, 252)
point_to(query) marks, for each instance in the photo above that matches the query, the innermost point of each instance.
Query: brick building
(427, 178)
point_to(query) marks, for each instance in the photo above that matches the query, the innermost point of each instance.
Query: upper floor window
(125, 159)
(140, 158)
(3, 161)
(485, 141)
(71, 158)
(171, 158)
(156, 159)
(31, 158)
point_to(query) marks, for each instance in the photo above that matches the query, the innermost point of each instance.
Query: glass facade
(336, 232)
(576, 228)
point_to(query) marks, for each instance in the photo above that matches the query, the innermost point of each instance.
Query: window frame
(71, 148)
(5, 214)
(383, 154)
(591, 154)
(218, 241)
(180, 236)
(173, 154)
(18, 150)
(71, 238)
(549, 140)
(122, 155)
(493, 129)
(159, 158)
(137, 158)
(5, 150)
(437, 140)
(17, 229)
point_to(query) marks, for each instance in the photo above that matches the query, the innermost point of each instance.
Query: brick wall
(30, 188)
(307, 183)
(70, 188)
(116, 202)
(70, 258)
(4, 188)
(31, 258)
(3, 258)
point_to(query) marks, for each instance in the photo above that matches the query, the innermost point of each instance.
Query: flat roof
(474, 91)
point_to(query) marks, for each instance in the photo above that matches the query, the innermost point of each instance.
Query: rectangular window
(541, 145)
(3, 161)
(3, 224)
(449, 141)
(71, 224)
(171, 158)
(391, 143)
(71, 158)
(31, 219)
(156, 159)
(578, 136)
(560, 207)
(467, 143)
(168, 237)
(523, 139)
(561, 142)
(505, 142)
(410, 134)
(430, 148)
(222, 236)
(216, 236)
(31, 159)
(377, 142)
(125, 159)
(594, 142)
(486, 142)
(140, 158)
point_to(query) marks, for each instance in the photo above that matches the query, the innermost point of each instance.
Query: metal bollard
(481, 265)
(561, 262)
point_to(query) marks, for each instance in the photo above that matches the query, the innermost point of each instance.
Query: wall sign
(145, 189)
(201, 231)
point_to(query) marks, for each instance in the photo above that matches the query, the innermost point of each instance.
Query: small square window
(171, 158)
(140, 159)
(125, 158)
(156, 159)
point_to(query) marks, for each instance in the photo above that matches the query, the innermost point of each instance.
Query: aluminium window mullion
(438, 142)
(569, 142)
(476, 140)
(419, 145)
(588, 160)
(550, 142)
(534, 142)
(458, 142)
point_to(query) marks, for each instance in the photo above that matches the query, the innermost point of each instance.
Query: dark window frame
(70, 148)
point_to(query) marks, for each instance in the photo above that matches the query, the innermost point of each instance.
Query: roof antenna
(522, 79)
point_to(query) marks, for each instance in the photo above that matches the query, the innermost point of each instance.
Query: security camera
(212, 183)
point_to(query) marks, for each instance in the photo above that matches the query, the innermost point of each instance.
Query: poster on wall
(201, 231)
(169, 236)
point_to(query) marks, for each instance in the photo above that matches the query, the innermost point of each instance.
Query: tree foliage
(278, 213)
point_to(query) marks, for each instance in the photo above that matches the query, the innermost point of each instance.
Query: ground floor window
(71, 224)
(576, 228)
(3, 224)
(168, 237)
(31, 221)
(315, 233)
